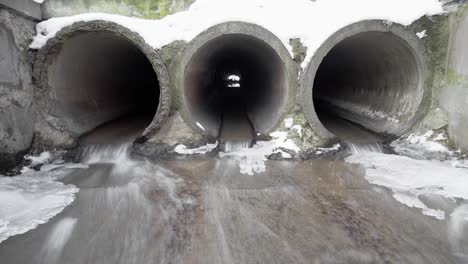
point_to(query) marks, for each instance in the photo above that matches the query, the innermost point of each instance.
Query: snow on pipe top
(311, 21)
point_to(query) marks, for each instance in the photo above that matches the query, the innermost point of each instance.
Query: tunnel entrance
(98, 77)
(370, 79)
(234, 85)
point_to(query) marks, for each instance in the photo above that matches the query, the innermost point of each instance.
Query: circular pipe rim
(236, 27)
(53, 46)
(414, 44)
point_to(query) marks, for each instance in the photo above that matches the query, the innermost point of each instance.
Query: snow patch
(421, 34)
(182, 149)
(335, 147)
(311, 21)
(410, 178)
(422, 146)
(288, 122)
(43, 158)
(252, 160)
(31, 199)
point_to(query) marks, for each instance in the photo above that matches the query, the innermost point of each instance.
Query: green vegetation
(151, 8)
(454, 78)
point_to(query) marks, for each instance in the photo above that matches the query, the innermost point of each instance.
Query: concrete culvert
(98, 72)
(370, 74)
(235, 74)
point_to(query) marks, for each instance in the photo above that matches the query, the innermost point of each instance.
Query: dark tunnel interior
(235, 78)
(370, 79)
(98, 77)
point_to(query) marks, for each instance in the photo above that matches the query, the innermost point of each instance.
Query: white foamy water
(364, 148)
(236, 145)
(57, 240)
(458, 230)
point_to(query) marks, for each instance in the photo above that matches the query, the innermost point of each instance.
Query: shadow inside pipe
(370, 79)
(235, 84)
(99, 77)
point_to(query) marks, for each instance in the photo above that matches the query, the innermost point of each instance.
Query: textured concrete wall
(16, 90)
(26, 8)
(454, 97)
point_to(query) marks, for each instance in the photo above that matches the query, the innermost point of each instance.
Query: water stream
(133, 210)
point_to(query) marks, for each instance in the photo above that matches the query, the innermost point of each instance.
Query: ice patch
(410, 178)
(422, 146)
(252, 160)
(311, 21)
(182, 149)
(31, 199)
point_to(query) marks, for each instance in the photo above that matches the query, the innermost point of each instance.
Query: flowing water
(133, 210)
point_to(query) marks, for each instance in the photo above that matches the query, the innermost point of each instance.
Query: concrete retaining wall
(438, 97)
(17, 113)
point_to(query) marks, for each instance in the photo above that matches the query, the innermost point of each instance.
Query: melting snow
(409, 178)
(311, 21)
(422, 146)
(31, 199)
(182, 149)
(325, 150)
(421, 34)
(252, 160)
(44, 157)
(288, 122)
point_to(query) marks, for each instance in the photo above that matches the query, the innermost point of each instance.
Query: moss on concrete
(455, 78)
(151, 9)
(299, 50)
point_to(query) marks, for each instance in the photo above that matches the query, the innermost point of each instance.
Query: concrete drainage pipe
(94, 72)
(369, 73)
(235, 71)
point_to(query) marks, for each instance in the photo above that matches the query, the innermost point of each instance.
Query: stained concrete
(454, 97)
(27, 8)
(17, 113)
(370, 73)
(82, 88)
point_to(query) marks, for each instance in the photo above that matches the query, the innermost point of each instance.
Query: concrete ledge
(27, 8)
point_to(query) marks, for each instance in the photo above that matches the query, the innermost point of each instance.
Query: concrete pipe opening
(369, 75)
(97, 73)
(235, 83)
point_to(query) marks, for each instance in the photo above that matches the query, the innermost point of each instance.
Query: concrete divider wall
(17, 112)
